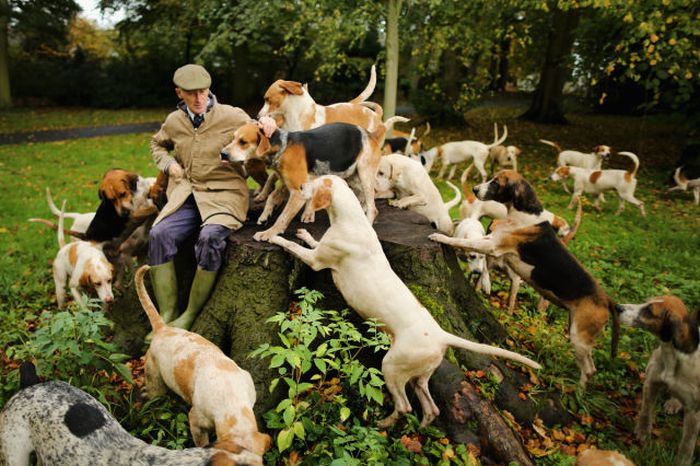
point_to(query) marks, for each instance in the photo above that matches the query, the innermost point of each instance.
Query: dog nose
(108, 298)
(475, 190)
(619, 308)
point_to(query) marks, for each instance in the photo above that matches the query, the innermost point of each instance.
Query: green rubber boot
(165, 288)
(202, 285)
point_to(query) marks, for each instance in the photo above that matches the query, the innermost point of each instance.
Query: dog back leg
(396, 380)
(629, 197)
(515, 282)
(430, 409)
(59, 279)
(293, 206)
(155, 385)
(696, 195)
(480, 166)
(691, 425)
(367, 172)
(453, 170)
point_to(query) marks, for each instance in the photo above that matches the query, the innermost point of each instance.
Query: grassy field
(28, 119)
(633, 257)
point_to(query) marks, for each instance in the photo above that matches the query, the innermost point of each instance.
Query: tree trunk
(259, 279)
(393, 11)
(5, 93)
(548, 101)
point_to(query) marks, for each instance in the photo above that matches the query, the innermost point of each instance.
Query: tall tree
(5, 93)
(393, 12)
(548, 101)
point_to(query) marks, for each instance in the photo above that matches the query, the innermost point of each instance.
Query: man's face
(196, 100)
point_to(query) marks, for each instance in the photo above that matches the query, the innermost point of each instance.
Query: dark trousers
(166, 237)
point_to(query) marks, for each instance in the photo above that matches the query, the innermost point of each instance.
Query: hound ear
(596, 149)
(102, 195)
(322, 197)
(524, 198)
(263, 145)
(132, 180)
(517, 151)
(685, 333)
(292, 87)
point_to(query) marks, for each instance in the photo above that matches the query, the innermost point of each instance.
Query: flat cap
(192, 77)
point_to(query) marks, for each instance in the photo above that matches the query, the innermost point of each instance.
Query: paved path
(76, 133)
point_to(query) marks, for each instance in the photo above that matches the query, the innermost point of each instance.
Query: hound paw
(260, 197)
(304, 235)
(265, 235)
(308, 217)
(276, 239)
(673, 406)
(439, 237)
(397, 203)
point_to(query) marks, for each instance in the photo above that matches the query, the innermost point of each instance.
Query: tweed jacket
(219, 189)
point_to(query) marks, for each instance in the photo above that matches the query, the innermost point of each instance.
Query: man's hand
(175, 170)
(268, 125)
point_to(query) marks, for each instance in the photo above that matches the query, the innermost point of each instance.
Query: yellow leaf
(672, 41)
(628, 18)
(653, 38)
(4, 230)
(688, 75)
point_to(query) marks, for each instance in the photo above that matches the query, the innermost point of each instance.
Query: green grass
(632, 257)
(27, 119)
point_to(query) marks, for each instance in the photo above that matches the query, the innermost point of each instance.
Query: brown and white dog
(407, 181)
(594, 457)
(529, 245)
(338, 148)
(675, 364)
(587, 180)
(503, 156)
(81, 265)
(362, 273)
(574, 158)
(293, 108)
(222, 394)
(453, 153)
(687, 177)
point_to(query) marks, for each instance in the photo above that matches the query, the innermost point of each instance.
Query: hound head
(249, 142)
(426, 158)
(248, 449)
(510, 188)
(604, 152)
(277, 94)
(387, 175)
(667, 318)
(512, 153)
(97, 275)
(561, 173)
(118, 188)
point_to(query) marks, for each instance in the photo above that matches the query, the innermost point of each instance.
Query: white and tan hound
(687, 177)
(592, 181)
(82, 265)
(221, 394)
(403, 178)
(361, 271)
(293, 108)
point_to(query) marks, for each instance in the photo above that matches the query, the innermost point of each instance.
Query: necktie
(197, 120)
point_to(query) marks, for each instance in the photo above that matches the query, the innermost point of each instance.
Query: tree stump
(259, 279)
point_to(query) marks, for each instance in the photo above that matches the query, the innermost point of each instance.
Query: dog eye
(121, 195)
(241, 143)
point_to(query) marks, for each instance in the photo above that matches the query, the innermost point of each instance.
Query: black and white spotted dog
(63, 425)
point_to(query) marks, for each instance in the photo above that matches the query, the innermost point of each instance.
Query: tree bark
(5, 93)
(393, 12)
(259, 279)
(548, 101)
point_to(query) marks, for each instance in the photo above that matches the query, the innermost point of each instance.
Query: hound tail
(375, 107)
(387, 126)
(577, 221)
(615, 339)
(409, 140)
(501, 139)
(465, 176)
(454, 340)
(456, 199)
(55, 210)
(369, 89)
(154, 318)
(556, 146)
(61, 238)
(27, 375)
(53, 226)
(635, 160)
(427, 129)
